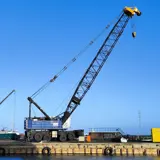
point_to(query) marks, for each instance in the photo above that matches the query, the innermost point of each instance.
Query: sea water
(77, 158)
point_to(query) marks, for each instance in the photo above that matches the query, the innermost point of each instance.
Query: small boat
(8, 135)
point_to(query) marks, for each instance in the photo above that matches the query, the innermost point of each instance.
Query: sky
(38, 38)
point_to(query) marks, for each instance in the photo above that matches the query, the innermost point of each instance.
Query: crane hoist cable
(74, 59)
(65, 99)
(14, 111)
(133, 27)
(33, 111)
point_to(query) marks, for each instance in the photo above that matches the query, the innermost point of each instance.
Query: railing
(105, 129)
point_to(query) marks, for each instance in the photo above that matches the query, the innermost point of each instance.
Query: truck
(49, 128)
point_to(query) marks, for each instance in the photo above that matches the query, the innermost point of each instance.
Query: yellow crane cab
(131, 11)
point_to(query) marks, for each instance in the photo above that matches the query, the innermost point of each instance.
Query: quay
(117, 149)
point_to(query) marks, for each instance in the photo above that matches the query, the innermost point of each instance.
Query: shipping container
(155, 134)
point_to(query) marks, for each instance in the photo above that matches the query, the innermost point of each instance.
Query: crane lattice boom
(99, 60)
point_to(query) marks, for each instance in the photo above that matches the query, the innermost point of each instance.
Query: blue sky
(39, 37)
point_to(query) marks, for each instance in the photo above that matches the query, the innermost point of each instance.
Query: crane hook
(133, 34)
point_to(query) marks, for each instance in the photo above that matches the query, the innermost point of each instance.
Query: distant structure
(139, 118)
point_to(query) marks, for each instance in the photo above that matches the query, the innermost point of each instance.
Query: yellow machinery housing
(155, 134)
(130, 11)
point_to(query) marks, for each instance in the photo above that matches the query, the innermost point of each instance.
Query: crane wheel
(71, 136)
(63, 137)
(47, 137)
(38, 137)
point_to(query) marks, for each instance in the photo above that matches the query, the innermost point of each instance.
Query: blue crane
(49, 128)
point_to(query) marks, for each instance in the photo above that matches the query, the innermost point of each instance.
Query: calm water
(77, 158)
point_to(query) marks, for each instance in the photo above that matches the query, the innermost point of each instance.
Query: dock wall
(117, 149)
